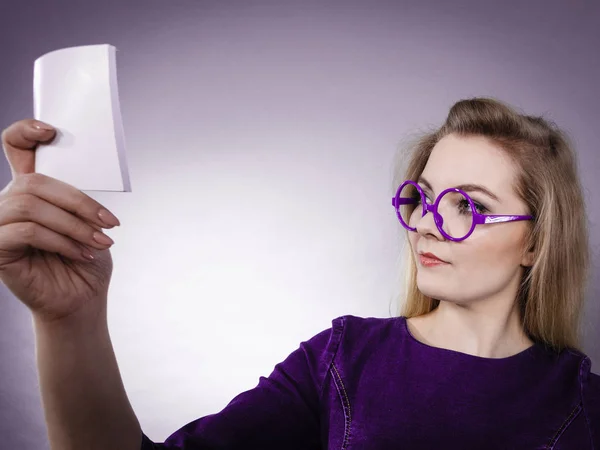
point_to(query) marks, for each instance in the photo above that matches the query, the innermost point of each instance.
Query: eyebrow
(465, 187)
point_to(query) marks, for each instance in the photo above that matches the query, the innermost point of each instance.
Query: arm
(282, 412)
(84, 400)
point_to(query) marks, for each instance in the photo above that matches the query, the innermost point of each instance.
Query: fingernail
(42, 126)
(103, 239)
(108, 218)
(87, 255)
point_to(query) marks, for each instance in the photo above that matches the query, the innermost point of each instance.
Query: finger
(18, 237)
(29, 208)
(64, 196)
(19, 141)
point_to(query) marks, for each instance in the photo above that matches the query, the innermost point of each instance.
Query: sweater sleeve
(282, 411)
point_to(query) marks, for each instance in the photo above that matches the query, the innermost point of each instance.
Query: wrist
(79, 322)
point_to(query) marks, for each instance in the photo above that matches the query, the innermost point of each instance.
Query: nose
(426, 225)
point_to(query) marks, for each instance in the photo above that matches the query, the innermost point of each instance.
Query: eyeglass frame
(478, 219)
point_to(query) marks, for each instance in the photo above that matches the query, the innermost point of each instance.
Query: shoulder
(351, 336)
(349, 330)
(590, 393)
(353, 326)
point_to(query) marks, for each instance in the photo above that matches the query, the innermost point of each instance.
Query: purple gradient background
(260, 139)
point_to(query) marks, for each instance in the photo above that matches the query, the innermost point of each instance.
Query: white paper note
(75, 90)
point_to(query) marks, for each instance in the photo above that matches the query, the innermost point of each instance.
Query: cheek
(412, 240)
(490, 249)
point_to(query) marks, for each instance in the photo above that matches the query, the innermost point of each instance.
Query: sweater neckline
(535, 348)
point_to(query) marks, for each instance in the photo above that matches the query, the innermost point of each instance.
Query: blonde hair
(552, 291)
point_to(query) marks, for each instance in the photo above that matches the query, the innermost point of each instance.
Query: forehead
(456, 160)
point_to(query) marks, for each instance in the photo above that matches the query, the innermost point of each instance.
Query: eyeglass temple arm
(490, 218)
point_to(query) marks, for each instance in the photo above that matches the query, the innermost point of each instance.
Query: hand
(45, 224)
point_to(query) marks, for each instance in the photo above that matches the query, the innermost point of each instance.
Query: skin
(477, 314)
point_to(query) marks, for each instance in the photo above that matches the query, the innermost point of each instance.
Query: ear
(528, 259)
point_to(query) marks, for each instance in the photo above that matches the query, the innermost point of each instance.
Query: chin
(433, 289)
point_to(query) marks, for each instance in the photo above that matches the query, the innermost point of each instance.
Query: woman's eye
(466, 208)
(480, 208)
(425, 195)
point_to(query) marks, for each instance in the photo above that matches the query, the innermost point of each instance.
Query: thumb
(20, 140)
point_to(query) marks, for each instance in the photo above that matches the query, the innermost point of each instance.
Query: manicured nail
(108, 218)
(42, 126)
(87, 255)
(103, 239)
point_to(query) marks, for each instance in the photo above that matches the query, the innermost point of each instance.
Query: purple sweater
(367, 383)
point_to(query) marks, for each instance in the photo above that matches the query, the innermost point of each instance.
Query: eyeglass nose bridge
(437, 218)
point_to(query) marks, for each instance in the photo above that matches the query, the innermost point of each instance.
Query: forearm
(85, 403)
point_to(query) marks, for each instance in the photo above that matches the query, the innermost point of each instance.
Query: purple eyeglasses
(478, 218)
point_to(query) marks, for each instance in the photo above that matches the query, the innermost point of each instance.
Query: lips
(431, 256)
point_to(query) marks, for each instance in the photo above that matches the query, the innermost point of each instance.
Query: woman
(484, 354)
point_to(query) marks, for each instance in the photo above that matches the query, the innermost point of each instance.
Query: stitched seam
(339, 340)
(587, 420)
(345, 405)
(564, 426)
